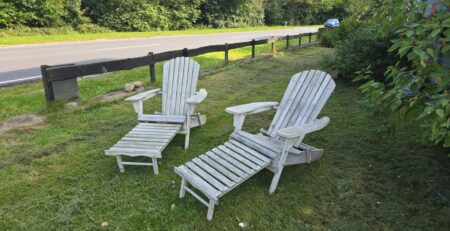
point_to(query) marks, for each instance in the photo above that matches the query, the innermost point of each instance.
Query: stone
(104, 224)
(139, 89)
(128, 87)
(71, 105)
(138, 84)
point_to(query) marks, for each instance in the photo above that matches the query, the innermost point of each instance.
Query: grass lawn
(55, 176)
(35, 39)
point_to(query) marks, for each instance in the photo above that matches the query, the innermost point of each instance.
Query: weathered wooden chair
(154, 132)
(221, 169)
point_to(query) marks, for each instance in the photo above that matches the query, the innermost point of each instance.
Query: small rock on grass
(104, 224)
(138, 84)
(133, 86)
(129, 87)
(71, 105)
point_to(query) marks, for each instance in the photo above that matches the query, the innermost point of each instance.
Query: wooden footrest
(218, 171)
(146, 139)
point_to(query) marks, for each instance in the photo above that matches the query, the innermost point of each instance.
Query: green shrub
(359, 47)
(398, 57)
(143, 15)
(29, 31)
(328, 36)
(232, 13)
(8, 14)
(41, 13)
(91, 28)
(348, 26)
(419, 83)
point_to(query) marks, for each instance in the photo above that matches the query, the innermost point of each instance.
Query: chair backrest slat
(303, 100)
(180, 77)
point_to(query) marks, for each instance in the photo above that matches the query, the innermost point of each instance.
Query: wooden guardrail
(64, 72)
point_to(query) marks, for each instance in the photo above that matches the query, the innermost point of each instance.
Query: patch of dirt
(22, 121)
(111, 96)
(116, 95)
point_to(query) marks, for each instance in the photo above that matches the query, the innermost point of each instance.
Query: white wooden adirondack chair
(221, 169)
(154, 132)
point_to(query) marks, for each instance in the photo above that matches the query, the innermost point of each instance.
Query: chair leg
(155, 166)
(276, 178)
(119, 163)
(182, 189)
(210, 209)
(186, 139)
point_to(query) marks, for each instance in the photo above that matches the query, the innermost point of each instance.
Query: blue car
(332, 23)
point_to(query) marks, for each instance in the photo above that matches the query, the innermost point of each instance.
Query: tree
(232, 13)
(143, 15)
(312, 11)
(40, 13)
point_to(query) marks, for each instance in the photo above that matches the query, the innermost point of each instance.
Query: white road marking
(22, 79)
(243, 36)
(120, 48)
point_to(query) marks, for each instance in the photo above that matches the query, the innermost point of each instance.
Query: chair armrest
(144, 95)
(251, 108)
(198, 97)
(138, 99)
(241, 111)
(298, 131)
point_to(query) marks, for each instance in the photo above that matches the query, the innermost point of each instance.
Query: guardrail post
(310, 35)
(49, 95)
(152, 68)
(253, 48)
(185, 52)
(300, 39)
(226, 53)
(287, 42)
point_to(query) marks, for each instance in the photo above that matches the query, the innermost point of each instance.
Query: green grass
(55, 176)
(35, 39)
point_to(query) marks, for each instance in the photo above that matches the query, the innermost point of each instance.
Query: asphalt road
(21, 63)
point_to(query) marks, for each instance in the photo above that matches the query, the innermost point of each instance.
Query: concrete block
(65, 89)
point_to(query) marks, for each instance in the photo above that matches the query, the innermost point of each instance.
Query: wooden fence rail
(65, 72)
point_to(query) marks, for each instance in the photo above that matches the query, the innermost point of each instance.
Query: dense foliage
(233, 13)
(41, 13)
(360, 44)
(314, 11)
(402, 58)
(145, 15)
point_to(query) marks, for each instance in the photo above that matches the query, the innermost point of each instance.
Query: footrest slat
(197, 182)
